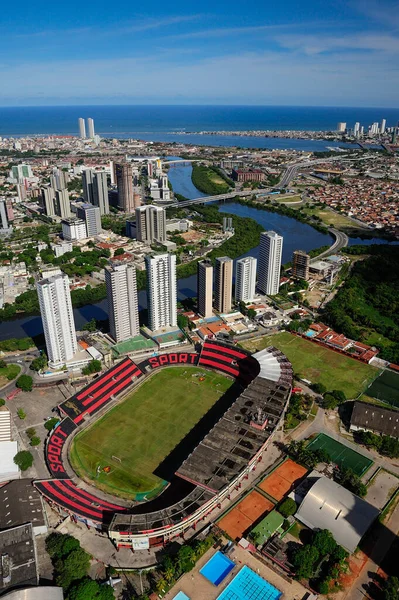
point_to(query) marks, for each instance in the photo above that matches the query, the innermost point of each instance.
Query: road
(341, 241)
(16, 360)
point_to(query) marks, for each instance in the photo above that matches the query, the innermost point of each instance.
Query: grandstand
(216, 466)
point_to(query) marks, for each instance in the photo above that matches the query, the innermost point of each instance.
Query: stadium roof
(328, 505)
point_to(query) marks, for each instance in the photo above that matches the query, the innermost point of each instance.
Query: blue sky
(314, 52)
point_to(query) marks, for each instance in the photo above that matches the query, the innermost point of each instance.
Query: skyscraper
(82, 129)
(161, 290)
(90, 127)
(57, 316)
(300, 264)
(383, 126)
(62, 204)
(59, 179)
(4, 224)
(124, 182)
(150, 224)
(245, 279)
(95, 189)
(48, 200)
(91, 216)
(270, 251)
(341, 127)
(223, 284)
(205, 287)
(123, 306)
(356, 129)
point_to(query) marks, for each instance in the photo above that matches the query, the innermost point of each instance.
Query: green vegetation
(94, 366)
(25, 383)
(39, 363)
(390, 588)
(114, 223)
(21, 414)
(332, 399)
(386, 388)
(321, 560)
(208, 180)
(8, 372)
(13, 344)
(155, 425)
(51, 423)
(298, 410)
(288, 507)
(386, 445)
(23, 459)
(368, 302)
(318, 364)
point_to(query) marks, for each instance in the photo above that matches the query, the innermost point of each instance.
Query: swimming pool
(217, 567)
(247, 585)
(310, 333)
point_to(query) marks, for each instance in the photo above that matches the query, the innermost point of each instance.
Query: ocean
(167, 122)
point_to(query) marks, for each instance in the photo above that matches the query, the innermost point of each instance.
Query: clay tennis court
(281, 481)
(242, 516)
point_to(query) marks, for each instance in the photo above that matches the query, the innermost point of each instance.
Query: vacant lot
(319, 364)
(133, 438)
(8, 373)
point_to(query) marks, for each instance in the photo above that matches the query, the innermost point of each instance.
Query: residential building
(62, 204)
(124, 181)
(57, 316)
(4, 223)
(73, 229)
(90, 128)
(123, 306)
(61, 248)
(161, 290)
(20, 172)
(205, 288)
(59, 179)
(91, 216)
(100, 192)
(242, 175)
(245, 279)
(82, 128)
(227, 224)
(383, 126)
(341, 127)
(270, 252)
(300, 265)
(48, 200)
(223, 284)
(151, 224)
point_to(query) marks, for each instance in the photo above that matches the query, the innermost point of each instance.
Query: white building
(270, 252)
(161, 290)
(62, 204)
(91, 216)
(341, 127)
(61, 248)
(82, 128)
(73, 229)
(5, 227)
(123, 306)
(245, 279)
(356, 129)
(90, 128)
(383, 126)
(150, 224)
(57, 316)
(95, 189)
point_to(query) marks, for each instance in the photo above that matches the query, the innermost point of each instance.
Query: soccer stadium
(147, 451)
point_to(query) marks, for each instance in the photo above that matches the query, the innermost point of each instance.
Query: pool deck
(198, 588)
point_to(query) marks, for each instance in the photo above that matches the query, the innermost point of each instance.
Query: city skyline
(271, 50)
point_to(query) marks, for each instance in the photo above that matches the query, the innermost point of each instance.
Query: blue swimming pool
(217, 567)
(310, 333)
(248, 585)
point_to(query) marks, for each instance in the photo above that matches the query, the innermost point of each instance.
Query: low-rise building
(367, 417)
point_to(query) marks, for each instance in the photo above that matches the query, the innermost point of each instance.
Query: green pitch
(386, 388)
(319, 364)
(134, 437)
(342, 455)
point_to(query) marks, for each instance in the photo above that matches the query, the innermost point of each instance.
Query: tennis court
(281, 481)
(385, 388)
(242, 516)
(341, 455)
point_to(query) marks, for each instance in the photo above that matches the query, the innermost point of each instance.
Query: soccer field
(134, 437)
(319, 364)
(342, 455)
(386, 388)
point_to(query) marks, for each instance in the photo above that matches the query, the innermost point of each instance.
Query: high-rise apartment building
(59, 179)
(73, 229)
(95, 189)
(150, 224)
(62, 204)
(341, 127)
(91, 216)
(223, 283)
(245, 279)
(124, 182)
(48, 200)
(5, 227)
(90, 128)
(123, 305)
(205, 287)
(82, 128)
(383, 126)
(356, 129)
(270, 252)
(300, 264)
(161, 290)
(57, 316)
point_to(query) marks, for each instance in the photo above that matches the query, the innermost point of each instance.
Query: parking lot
(381, 489)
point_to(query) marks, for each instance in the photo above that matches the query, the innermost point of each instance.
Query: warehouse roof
(328, 505)
(375, 418)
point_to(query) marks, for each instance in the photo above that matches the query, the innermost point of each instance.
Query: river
(296, 236)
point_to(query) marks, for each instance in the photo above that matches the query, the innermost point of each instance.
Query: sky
(312, 53)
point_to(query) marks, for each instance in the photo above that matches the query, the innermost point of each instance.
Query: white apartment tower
(82, 129)
(341, 127)
(223, 284)
(270, 252)
(245, 279)
(161, 290)
(205, 287)
(95, 189)
(150, 224)
(90, 127)
(57, 316)
(123, 304)
(383, 126)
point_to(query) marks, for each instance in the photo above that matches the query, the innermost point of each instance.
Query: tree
(182, 321)
(59, 545)
(186, 558)
(251, 313)
(90, 326)
(390, 589)
(88, 589)
(324, 542)
(2, 402)
(21, 414)
(35, 440)
(329, 401)
(304, 561)
(51, 423)
(94, 366)
(3, 364)
(39, 363)
(25, 383)
(23, 459)
(319, 388)
(72, 567)
(119, 252)
(288, 507)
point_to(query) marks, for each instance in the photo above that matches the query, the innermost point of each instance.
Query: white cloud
(315, 44)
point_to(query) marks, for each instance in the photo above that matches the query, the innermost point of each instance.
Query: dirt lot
(381, 489)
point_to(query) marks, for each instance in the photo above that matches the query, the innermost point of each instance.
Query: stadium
(212, 459)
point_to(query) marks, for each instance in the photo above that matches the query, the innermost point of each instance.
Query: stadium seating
(232, 361)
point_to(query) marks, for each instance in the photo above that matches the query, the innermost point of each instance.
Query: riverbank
(210, 180)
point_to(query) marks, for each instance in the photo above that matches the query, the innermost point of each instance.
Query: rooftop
(20, 503)
(18, 558)
(375, 418)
